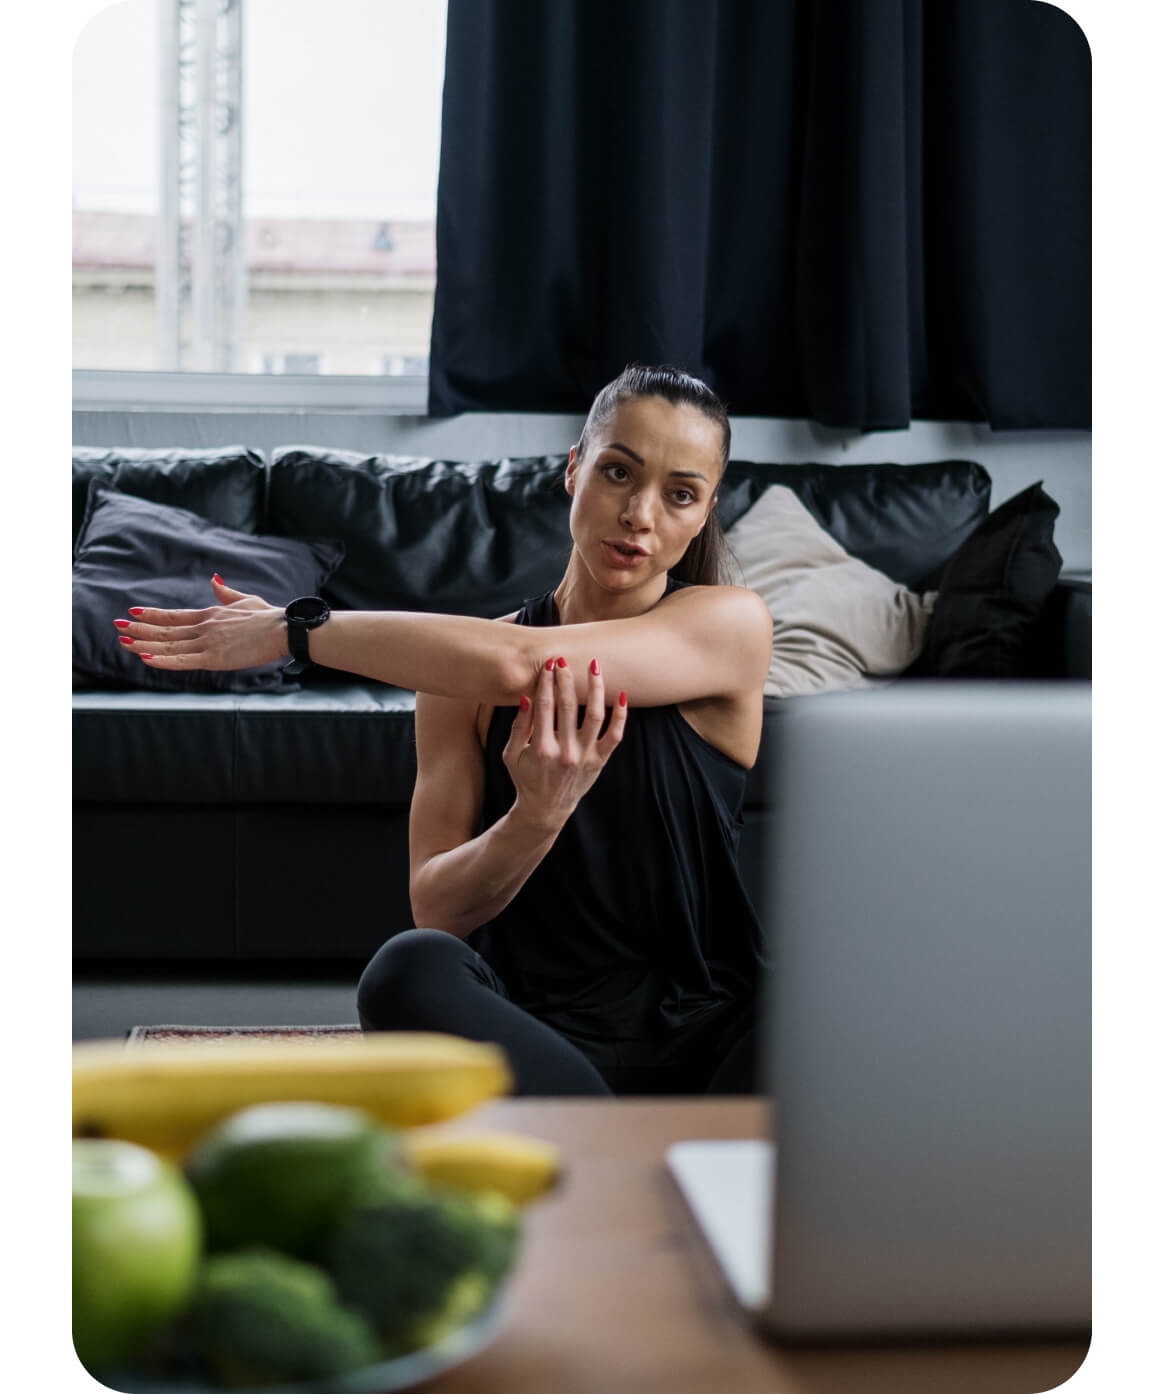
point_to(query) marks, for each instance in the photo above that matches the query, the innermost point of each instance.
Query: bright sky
(341, 108)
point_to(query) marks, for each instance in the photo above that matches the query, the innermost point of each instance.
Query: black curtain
(853, 211)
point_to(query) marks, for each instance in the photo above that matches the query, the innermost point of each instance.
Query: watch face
(307, 608)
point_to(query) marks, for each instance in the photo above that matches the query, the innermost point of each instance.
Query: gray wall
(1014, 459)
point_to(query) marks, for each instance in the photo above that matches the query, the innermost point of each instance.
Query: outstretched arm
(702, 641)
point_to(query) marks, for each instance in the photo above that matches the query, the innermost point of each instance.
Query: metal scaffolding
(201, 249)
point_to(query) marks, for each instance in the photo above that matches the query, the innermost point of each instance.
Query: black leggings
(428, 980)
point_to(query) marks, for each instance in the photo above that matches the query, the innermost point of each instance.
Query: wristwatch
(308, 612)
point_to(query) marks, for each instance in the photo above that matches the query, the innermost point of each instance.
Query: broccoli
(419, 1263)
(496, 1223)
(258, 1318)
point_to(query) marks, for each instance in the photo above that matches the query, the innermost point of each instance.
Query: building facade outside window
(298, 236)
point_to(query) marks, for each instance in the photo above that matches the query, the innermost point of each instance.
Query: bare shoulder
(732, 722)
(737, 603)
(732, 614)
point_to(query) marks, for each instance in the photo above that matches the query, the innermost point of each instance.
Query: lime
(137, 1240)
(281, 1174)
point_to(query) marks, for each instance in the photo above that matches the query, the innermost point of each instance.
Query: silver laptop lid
(929, 912)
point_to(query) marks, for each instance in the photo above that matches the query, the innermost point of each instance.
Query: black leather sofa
(265, 828)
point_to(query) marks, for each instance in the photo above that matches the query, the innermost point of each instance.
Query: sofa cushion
(133, 552)
(838, 623)
(154, 747)
(352, 744)
(992, 591)
(226, 486)
(434, 535)
(904, 520)
(338, 745)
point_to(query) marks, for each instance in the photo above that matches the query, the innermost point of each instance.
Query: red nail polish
(561, 662)
(121, 624)
(550, 666)
(125, 639)
(145, 655)
(524, 702)
(594, 666)
(137, 609)
(622, 699)
(219, 579)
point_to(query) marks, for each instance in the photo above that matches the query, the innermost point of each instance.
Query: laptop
(928, 1043)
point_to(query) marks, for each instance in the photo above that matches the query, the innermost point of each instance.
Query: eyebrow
(638, 459)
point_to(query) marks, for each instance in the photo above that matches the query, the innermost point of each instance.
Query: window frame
(106, 389)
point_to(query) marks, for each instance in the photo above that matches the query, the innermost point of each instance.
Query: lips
(622, 561)
(634, 549)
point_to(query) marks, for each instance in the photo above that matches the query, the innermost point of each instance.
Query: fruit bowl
(292, 1238)
(404, 1372)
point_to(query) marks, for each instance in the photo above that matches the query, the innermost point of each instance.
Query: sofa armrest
(1061, 642)
(1076, 625)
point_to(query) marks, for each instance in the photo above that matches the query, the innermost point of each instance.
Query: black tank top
(635, 927)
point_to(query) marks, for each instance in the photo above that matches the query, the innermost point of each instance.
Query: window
(254, 186)
(291, 363)
(398, 365)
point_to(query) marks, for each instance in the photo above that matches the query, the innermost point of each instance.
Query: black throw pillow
(134, 552)
(991, 592)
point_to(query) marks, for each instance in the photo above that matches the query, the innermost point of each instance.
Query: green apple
(137, 1241)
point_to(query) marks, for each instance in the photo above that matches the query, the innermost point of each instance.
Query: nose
(638, 511)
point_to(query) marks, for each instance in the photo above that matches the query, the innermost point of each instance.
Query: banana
(165, 1095)
(521, 1168)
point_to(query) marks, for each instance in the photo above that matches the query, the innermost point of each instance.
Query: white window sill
(102, 390)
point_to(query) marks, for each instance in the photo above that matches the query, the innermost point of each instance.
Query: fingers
(615, 728)
(567, 702)
(172, 661)
(595, 705)
(159, 633)
(159, 648)
(225, 593)
(143, 615)
(544, 708)
(520, 729)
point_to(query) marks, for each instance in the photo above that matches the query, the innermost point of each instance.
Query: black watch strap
(306, 613)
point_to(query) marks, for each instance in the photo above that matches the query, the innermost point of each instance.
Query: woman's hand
(551, 769)
(242, 631)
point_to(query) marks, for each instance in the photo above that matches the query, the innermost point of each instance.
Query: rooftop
(272, 244)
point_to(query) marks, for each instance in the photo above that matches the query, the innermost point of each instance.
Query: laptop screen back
(928, 913)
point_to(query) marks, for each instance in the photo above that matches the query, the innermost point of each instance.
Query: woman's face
(648, 481)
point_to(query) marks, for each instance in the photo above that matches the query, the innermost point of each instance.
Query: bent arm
(459, 880)
(459, 890)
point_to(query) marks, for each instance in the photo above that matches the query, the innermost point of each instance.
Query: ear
(571, 469)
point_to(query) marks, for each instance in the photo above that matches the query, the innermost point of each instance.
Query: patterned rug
(143, 1035)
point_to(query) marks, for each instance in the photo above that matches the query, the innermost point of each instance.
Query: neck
(580, 600)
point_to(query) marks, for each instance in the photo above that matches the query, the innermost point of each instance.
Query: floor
(107, 1005)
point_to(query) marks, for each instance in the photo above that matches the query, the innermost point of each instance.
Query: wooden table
(616, 1291)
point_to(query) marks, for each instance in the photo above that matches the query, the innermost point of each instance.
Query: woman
(577, 887)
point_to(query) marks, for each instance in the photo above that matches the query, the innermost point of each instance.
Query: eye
(606, 469)
(690, 496)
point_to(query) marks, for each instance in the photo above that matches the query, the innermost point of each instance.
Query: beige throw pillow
(839, 623)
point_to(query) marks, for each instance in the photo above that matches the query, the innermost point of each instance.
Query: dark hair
(704, 562)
